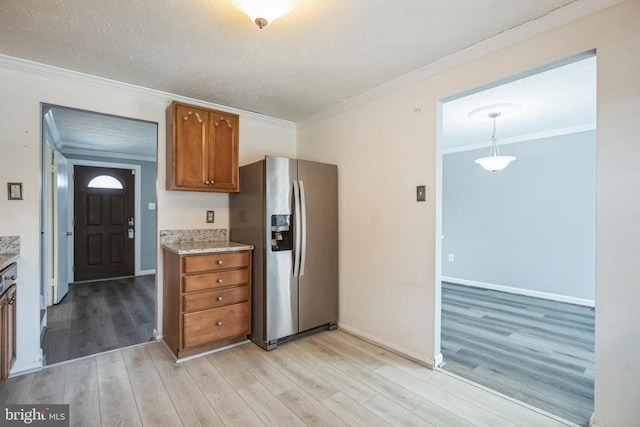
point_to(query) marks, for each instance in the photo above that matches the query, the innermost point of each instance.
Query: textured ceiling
(322, 54)
(85, 132)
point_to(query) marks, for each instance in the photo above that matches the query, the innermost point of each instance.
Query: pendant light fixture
(264, 12)
(494, 162)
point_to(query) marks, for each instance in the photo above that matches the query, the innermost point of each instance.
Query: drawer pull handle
(219, 262)
(219, 298)
(219, 280)
(13, 277)
(219, 323)
(12, 300)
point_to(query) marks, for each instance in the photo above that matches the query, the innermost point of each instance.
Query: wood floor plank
(225, 400)
(363, 357)
(500, 407)
(371, 379)
(268, 407)
(440, 417)
(15, 389)
(352, 412)
(535, 350)
(346, 384)
(154, 404)
(249, 356)
(117, 402)
(393, 413)
(382, 354)
(143, 386)
(299, 375)
(231, 369)
(309, 410)
(48, 385)
(81, 393)
(192, 406)
(98, 316)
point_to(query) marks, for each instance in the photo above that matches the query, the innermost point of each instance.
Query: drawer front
(207, 326)
(216, 261)
(202, 282)
(214, 299)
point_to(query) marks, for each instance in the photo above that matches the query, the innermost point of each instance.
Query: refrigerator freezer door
(318, 290)
(281, 287)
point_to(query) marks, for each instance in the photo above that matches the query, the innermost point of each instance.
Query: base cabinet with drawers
(207, 300)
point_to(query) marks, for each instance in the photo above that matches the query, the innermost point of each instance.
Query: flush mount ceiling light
(264, 12)
(495, 162)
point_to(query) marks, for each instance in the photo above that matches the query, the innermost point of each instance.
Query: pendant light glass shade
(494, 162)
(264, 12)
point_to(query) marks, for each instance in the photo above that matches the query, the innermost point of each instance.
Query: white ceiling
(324, 53)
(556, 101)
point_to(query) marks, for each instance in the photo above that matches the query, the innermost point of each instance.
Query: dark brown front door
(103, 223)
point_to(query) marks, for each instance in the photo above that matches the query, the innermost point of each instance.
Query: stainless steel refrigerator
(288, 210)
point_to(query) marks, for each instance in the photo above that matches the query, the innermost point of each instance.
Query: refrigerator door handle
(296, 229)
(303, 228)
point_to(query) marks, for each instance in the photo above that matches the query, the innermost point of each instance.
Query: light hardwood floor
(327, 379)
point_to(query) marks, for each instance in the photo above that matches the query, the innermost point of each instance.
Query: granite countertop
(8, 259)
(9, 250)
(189, 248)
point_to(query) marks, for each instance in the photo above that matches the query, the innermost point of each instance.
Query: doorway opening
(99, 230)
(517, 254)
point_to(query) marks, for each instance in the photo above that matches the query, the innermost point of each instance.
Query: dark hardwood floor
(538, 351)
(99, 316)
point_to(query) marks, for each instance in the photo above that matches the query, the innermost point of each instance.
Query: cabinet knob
(219, 298)
(12, 300)
(13, 277)
(219, 323)
(206, 182)
(219, 262)
(219, 280)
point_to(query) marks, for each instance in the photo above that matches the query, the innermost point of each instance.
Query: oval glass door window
(105, 181)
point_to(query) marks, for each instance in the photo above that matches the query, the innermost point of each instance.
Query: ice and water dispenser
(281, 233)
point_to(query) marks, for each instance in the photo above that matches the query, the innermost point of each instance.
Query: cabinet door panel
(223, 151)
(206, 326)
(190, 153)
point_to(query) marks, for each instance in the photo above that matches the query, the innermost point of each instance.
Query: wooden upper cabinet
(202, 149)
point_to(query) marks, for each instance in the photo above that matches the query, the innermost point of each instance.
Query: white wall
(24, 86)
(384, 148)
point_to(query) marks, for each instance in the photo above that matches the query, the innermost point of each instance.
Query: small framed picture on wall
(15, 190)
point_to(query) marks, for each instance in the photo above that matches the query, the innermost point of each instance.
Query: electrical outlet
(452, 257)
(209, 216)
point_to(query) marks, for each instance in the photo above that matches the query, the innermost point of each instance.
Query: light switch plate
(421, 193)
(209, 216)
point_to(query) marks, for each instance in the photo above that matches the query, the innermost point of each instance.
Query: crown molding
(50, 71)
(573, 11)
(523, 138)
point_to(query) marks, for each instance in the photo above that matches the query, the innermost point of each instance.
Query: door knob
(69, 233)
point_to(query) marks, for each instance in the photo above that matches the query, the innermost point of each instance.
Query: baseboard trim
(429, 363)
(519, 291)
